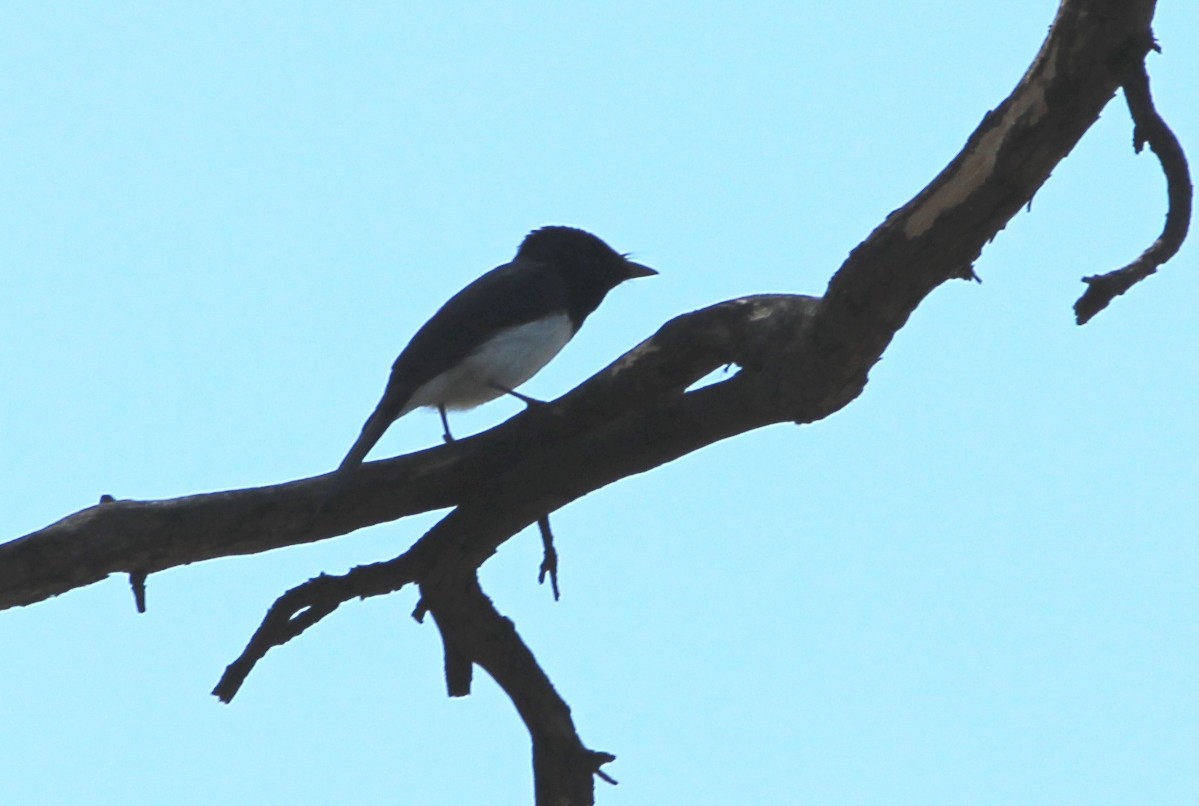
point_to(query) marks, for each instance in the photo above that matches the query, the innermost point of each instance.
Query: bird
(498, 331)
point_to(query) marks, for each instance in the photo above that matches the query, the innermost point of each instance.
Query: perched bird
(500, 330)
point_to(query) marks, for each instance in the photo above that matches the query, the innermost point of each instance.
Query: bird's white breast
(507, 360)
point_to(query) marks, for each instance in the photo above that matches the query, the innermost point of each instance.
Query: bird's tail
(372, 432)
(384, 415)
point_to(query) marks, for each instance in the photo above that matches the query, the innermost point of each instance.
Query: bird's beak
(638, 270)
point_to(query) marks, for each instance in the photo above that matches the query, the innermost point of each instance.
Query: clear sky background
(220, 222)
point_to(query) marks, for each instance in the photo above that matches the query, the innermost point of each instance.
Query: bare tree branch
(1151, 129)
(628, 397)
(563, 768)
(798, 359)
(306, 604)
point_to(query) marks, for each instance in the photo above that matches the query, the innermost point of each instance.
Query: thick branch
(625, 398)
(942, 231)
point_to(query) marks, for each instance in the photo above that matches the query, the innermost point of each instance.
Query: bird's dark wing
(512, 294)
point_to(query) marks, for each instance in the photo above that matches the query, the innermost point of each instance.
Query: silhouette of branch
(563, 768)
(1149, 127)
(306, 604)
(124, 536)
(799, 359)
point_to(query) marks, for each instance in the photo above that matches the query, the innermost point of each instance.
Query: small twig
(1149, 127)
(600, 758)
(137, 581)
(549, 562)
(306, 604)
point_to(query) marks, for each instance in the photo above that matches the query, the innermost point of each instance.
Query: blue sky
(976, 584)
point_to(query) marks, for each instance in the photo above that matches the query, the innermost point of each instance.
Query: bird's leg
(528, 401)
(445, 423)
(549, 563)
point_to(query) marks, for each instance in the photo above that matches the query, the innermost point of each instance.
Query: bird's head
(581, 254)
